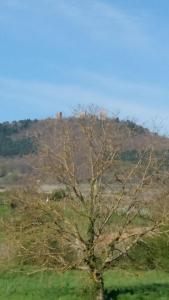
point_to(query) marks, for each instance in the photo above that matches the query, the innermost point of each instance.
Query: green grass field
(75, 285)
(16, 284)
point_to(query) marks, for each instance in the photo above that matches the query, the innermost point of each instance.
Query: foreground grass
(47, 286)
(76, 286)
(150, 285)
(120, 285)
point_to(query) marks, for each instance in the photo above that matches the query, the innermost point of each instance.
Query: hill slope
(19, 139)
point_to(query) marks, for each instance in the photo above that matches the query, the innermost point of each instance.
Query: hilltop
(19, 140)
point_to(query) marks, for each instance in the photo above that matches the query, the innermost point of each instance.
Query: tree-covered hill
(19, 138)
(13, 141)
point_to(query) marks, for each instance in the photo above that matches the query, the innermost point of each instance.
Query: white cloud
(45, 98)
(103, 21)
(96, 19)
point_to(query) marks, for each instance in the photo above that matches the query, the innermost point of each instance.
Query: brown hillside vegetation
(14, 170)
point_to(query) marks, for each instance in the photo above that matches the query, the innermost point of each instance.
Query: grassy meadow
(120, 285)
(25, 283)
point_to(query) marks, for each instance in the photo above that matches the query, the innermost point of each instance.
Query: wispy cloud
(42, 99)
(103, 21)
(79, 34)
(99, 20)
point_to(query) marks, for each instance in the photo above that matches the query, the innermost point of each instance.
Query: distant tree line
(10, 146)
(135, 127)
(7, 128)
(133, 155)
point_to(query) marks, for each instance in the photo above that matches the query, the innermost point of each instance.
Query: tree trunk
(100, 293)
(98, 285)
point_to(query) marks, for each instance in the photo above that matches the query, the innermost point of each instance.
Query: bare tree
(95, 225)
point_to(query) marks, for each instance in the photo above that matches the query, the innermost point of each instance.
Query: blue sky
(55, 54)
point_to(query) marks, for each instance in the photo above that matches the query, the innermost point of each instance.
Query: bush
(153, 254)
(58, 194)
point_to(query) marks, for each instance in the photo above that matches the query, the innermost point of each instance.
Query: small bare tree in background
(96, 223)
